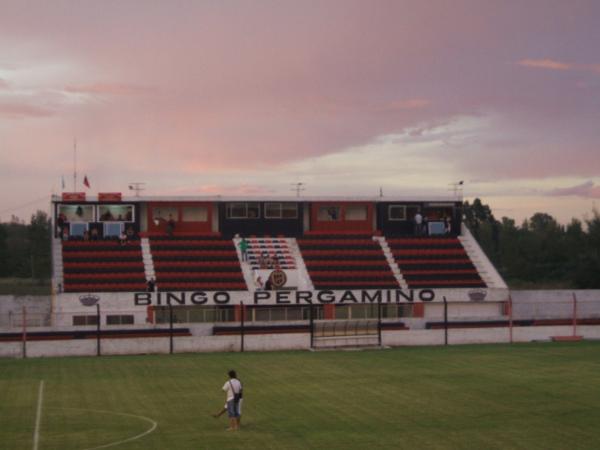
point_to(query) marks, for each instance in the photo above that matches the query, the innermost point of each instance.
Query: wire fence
(35, 323)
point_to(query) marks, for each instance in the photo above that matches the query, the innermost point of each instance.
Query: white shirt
(418, 218)
(237, 386)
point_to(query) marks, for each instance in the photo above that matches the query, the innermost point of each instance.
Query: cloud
(545, 64)
(107, 89)
(586, 190)
(4, 84)
(403, 105)
(551, 64)
(23, 110)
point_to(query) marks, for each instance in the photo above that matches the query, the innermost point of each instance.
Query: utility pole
(457, 189)
(137, 186)
(298, 187)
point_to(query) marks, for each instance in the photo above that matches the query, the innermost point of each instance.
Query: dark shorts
(233, 409)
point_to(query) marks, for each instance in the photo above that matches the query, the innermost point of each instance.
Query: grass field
(530, 396)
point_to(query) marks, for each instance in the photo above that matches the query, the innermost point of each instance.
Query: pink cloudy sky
(227, 97)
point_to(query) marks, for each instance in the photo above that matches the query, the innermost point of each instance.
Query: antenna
(457, 189)
(298, 187)
(137, 186)
(74, 164)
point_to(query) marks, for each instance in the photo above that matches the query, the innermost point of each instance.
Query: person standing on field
(233, 390)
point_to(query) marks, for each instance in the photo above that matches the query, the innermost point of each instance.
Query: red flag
(86, 182)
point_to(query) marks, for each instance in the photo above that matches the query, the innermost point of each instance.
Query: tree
(39, 232)
(4, 262)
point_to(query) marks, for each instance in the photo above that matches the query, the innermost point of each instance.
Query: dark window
(397, 212)
(85, 320)
(243, 211)
(281, 210)
(119, 320)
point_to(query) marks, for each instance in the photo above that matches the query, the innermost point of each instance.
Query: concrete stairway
(391, 261)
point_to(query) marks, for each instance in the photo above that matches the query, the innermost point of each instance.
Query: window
(283, 313)
(119, 320)
(112, 229)
(329, 213)
(281, 210)
(77, 229)
(342, 312)
(85, 320)
(194, 214)
(435, 228)
(356, 212)
(163, 213)
(196, 314)
(77, 213)
(243, 211)
(115, 213)
(397, 212)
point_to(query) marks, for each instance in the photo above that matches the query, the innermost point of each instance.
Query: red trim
(418, 310)
(329, 312)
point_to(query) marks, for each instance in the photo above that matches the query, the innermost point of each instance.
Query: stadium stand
(196, 262)
(276, 249)
(434, 262)
(345, 261)
(103, 265)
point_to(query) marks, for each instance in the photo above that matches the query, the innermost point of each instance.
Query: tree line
(540, 253)
(25, 249)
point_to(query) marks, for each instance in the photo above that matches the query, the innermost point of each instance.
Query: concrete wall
(556, 304)
(526, 305)
(292, 341)
(157, 345)
(39, 308)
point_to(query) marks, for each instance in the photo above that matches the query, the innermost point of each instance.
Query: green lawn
(532, 396)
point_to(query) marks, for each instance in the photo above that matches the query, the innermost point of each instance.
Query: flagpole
(74, 165)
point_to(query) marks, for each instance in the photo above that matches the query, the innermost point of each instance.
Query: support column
(329, 312)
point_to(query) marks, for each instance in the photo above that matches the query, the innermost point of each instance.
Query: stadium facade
(144, 260)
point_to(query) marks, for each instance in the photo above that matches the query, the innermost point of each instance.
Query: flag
(86, 182)
(62, 182)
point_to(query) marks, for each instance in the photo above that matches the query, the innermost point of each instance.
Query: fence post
(574, 315)
(24, 332)
(98, 352)
(510, 318)
(445, 321)
(379, 321)
(242, 327)
(170, 327)
(311, 324)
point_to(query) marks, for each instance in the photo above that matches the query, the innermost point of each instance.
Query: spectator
(61, 221)
(263, 260)
(151, 285)
(94, 234)
(170, 226)
(244, 249)
(418, 224)
(122, 238)
(447, 225)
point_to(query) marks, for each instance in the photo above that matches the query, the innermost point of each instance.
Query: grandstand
(138, 255)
